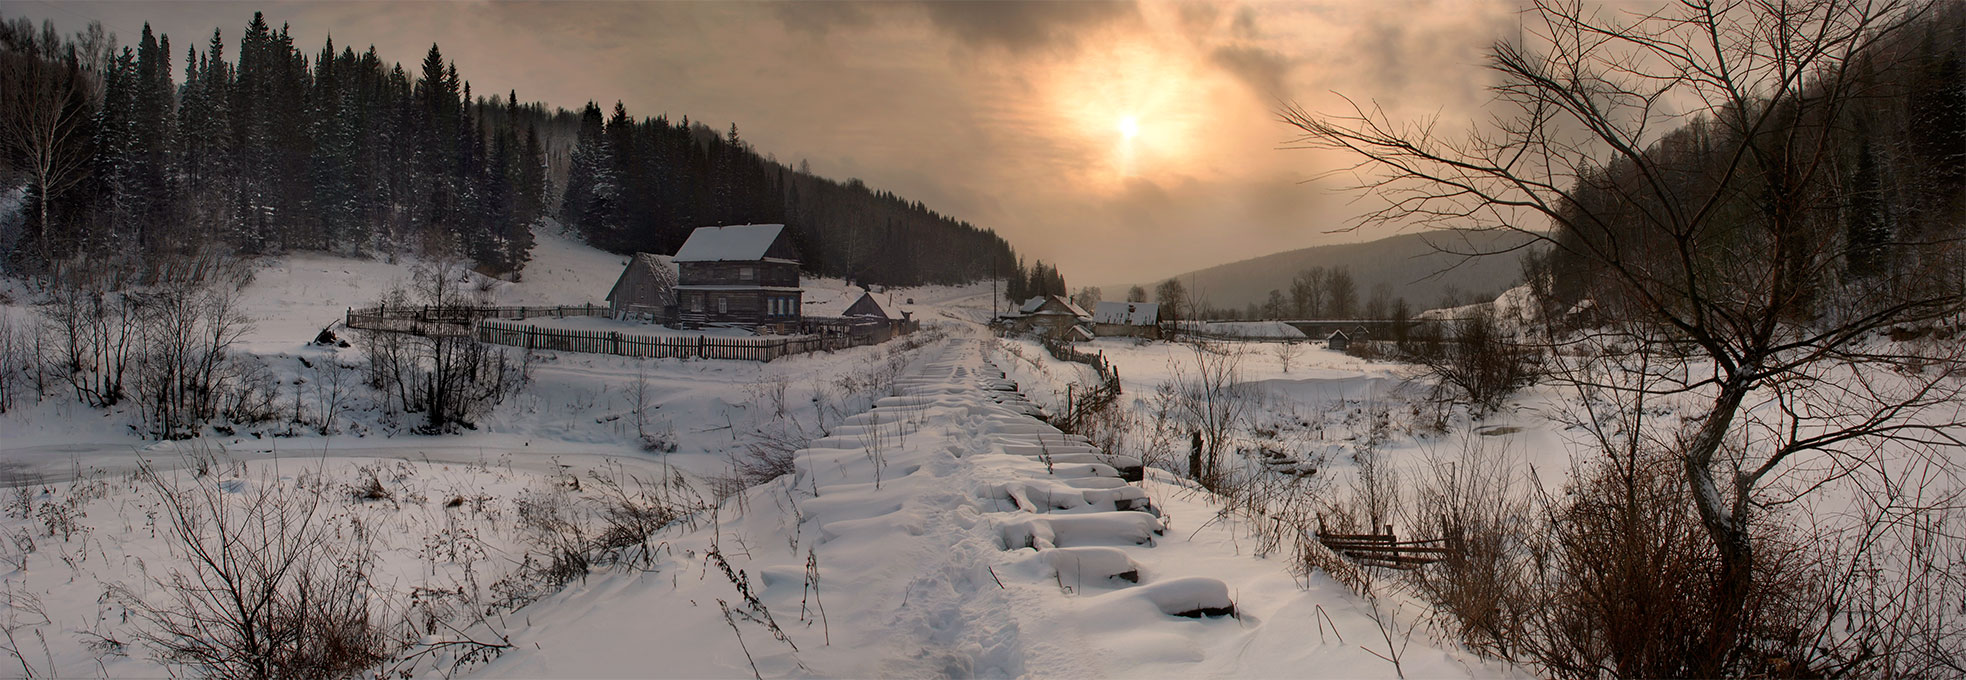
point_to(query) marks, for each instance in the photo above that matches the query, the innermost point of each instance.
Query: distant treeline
(117, 152)
(642, 185)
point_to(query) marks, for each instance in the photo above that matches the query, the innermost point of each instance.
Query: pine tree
(1867, 230)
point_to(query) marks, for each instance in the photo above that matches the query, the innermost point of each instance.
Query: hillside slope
(1419, 267)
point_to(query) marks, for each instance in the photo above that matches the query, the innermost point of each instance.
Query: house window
(723, 305)
(695, 303)
(745, 274)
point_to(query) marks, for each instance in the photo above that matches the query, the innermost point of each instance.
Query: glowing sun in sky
(1129, 128)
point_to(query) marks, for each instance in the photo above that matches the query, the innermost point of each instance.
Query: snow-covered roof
(830, 301)
(1036, 304)
(715, 244)
(1127, 313)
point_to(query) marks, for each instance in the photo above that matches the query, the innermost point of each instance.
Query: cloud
(819, 19)
(1023, 26)
(1264, 70)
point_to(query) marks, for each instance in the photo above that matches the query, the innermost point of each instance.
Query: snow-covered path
(953, 536)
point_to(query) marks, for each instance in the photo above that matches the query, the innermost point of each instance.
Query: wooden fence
(1078, 406)
(455, 319)
(657, 347)
(1384, 549)
(501, 326)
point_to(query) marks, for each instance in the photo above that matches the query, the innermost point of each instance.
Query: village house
(1051, 316)
(744, 275)
(856, 311)
(646, 289)
(1119, 319)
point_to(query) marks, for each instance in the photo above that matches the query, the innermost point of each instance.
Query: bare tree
(45, 106)
(1307, 293)
(1708, 243)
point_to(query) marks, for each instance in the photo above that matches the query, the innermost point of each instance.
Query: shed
(646, 288)
(1337, 341)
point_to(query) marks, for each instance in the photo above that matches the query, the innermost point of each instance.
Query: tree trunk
(1726, 528)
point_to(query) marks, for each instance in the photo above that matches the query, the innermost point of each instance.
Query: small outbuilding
(1337, 341)
(645, 290)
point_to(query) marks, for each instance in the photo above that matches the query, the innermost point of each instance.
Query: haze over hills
(1420, 267)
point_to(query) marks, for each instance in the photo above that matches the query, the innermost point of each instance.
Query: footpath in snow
(947, 532)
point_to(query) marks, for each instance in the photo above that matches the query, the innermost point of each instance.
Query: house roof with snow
(1052, 305)
(852, 301)
(1127, 313)
(727, 244)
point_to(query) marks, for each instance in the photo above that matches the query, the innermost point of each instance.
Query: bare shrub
(1286, 352)
(268, 586)
(1211, 399)
(1473, 500)
(1476, 363)
(768, 454)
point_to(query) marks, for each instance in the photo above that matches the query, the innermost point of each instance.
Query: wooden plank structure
(1386, 550)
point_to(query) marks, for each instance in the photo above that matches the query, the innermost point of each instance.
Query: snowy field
(906, 528)
(881, 511)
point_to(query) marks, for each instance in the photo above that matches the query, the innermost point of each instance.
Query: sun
(1129, 128)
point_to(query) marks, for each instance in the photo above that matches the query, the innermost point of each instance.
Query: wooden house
(744, 275)
(1136, 319)
(1051, 316)
(646, 289)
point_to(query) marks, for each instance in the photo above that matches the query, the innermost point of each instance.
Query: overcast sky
(1124, 142)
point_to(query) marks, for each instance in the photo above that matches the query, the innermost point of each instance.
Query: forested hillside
(1865, 174)
(1422, 268)
(258, 146)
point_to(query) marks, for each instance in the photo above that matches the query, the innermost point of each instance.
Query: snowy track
(955, 535)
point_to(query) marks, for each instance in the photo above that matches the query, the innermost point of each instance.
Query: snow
(948, 531)
(1247, 329)
(742, 242)
(1127, 313)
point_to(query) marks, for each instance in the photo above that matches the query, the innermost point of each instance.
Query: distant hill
(1414, 265)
